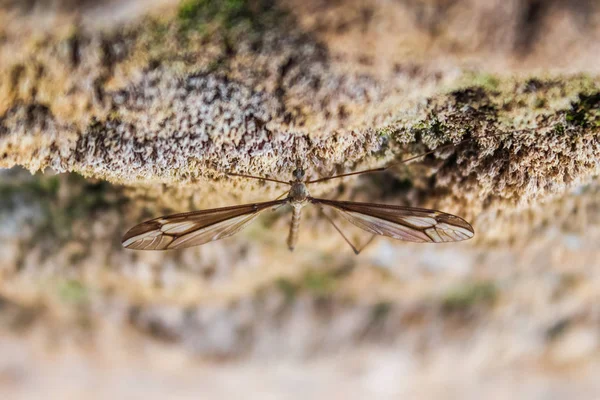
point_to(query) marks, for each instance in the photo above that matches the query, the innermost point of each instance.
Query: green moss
(386, 131)
(539, 102)
(430, 129)
(319, 282)
(72, 292)
(436, 127)
(59, 213)
(316, 283)
(380, 311)
(94, 196)
(487, 81)
(420, 125)
(469, 295)
(585, 111)
(483, 80)
(39, 186)
(288, 288)
(159, 29)
(385, 135)
(87, 199)
(197, 14)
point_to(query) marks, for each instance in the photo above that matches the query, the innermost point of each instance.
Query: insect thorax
(298, 192)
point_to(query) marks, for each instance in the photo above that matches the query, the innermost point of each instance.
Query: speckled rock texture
(125, 110)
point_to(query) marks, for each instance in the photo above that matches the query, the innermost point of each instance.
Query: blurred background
(114, 112)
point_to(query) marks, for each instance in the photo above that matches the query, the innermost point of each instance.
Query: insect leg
(356, 250)
(367, 243)
(256, 177)
(409, 159)
(281, 195)
(278, 207)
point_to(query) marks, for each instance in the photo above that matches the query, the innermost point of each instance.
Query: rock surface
(127, 110)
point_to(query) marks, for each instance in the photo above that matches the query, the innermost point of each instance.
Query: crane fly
(411, 224)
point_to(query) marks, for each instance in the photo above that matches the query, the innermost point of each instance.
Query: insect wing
(404, 223)
(179, 231)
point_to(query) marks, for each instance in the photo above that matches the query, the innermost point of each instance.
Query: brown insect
(194, 228)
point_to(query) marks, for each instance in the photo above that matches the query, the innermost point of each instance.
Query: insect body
(298, 197)
(199, 227)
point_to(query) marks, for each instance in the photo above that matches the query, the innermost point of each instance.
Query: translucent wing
(405, 223)
(193, 228)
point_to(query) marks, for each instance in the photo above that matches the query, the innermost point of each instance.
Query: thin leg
(356, 249)
(444, 147)
(278, 207)
(318, 167)
(367, 171)
(257, 177)
(281, 195)
(367, 243)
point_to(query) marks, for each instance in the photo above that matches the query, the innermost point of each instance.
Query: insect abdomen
(294, 227)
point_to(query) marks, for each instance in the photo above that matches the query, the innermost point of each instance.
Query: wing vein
(193, 228)
(405, 223)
